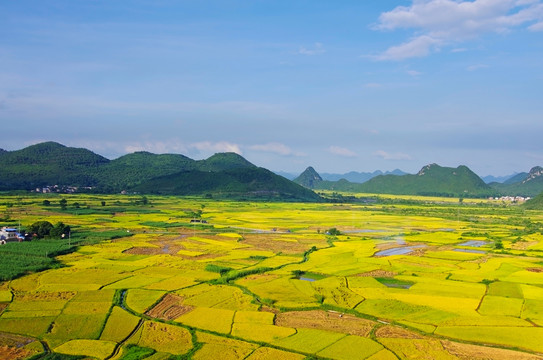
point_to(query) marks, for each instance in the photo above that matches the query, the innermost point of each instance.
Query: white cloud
(443, 22)
(156, 147)
(315, 50)
(341, 151)
(417, 47)
(221, 146)
(273, 147)
(392, 156)
(537, 27)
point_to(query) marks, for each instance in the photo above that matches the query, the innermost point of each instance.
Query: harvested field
(12, 340)
(475, 352)
(388, 331)
(274, 243)
(143, 251)
(378, 273)
(325, 320)
(13, 353)
(523, 245)
(169, 308)
(45, 296)
(269, 309)
(536, 270)
(163, 245)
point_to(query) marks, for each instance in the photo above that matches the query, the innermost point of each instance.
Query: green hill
(223, 161)
(136, 168)
(223, 174)
(248, 182)
(309, 178)
(431, 180)
(524, 184)
(535, 203)
(517, 178)
(49, 163)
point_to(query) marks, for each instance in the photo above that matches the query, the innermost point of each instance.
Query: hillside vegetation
(524, 184)
(430, 180)
(223, 174)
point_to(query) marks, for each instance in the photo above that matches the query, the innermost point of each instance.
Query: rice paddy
(266, 281)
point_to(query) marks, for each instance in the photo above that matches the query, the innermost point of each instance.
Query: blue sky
(338, 85)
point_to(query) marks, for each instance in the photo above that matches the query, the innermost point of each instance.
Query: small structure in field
(200, 221)
(9, 235)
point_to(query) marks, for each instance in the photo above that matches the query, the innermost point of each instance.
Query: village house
(9, 234)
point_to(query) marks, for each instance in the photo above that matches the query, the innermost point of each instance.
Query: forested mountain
(430, 180)
(49, 163)
(309, 178)
(224, 174)
(523, 184)
(248, 182)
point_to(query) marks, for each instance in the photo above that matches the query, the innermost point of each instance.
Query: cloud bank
(440, 23)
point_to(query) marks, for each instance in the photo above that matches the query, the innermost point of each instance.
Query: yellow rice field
(407, 277)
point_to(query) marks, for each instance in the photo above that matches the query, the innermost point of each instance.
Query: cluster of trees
(45, 228)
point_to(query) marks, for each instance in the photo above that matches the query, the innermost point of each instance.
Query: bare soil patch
(325, 320)
(388, 331)
(536, 270)
(476, 352)
(171, 307)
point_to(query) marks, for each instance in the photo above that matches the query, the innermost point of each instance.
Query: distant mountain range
(501, 179)
(432, 180)
(362, 177)
(222, 175)
(230, 175)
(353, 176)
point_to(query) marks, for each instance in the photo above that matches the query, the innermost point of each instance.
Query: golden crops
(265, 281)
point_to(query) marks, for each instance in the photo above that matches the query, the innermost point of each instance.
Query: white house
(9, 234)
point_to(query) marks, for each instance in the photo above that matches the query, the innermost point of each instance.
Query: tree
(63, 203)
(498, 244)
(41, 228)
(333, 231)
(46, 202)
(103, 203)
(59, 229)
